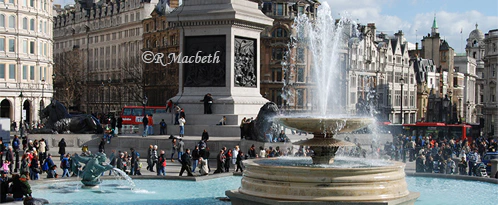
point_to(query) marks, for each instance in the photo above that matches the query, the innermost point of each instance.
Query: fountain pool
(432, 191)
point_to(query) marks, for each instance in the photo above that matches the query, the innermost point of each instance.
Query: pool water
(433, 191)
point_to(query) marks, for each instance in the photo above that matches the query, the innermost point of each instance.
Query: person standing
(65, 166)
(177, 114)
(149, 157)
(186, 163)
(195, 157)
(220, 160)
(145, 121)
(174, 148)
(240, 165)
(204, 170)
(162, 130)
(180, 147)
(235, 153)
(242, 123)
(208, 102)
(16, 147)
(169, 106)
(102, 145)
(62, 149)
(154, 158)
(119, 125)
(133, 159)
(182, 122)
(161, 164)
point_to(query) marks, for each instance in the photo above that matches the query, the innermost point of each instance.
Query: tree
(133, 80)
(69, 77)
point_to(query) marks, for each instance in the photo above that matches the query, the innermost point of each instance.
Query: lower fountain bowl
(326, 184)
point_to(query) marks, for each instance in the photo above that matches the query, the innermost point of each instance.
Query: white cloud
(449, 23)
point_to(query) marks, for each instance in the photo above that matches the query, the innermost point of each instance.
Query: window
(2, 44)
(494, 47)
(2, 71)
(280, 10)
(300, 97)
(2, 20)
(12, 71)
(300, 75)
(279, 32)
(24, 72)
(25, 23)
(32, 47)
(12, 45)
(41, 73)
(12, 22)
(32, 3)
(25, 46)
(32, 24)
(277, 54)
(300, 55)
(32, 72)
(301, 10)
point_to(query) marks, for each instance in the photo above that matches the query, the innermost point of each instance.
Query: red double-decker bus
(439, 130)
(133, 115)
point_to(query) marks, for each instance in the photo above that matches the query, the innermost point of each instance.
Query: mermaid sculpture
(93, 169)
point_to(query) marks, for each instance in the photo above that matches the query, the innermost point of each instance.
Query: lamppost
(446, 103)
(53, 85)
(109, 81)
(42, 104)
(402, 84)
(103, 97)
(451, 106)
(20, 123)
(468, 116)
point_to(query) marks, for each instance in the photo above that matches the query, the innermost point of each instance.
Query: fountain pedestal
(268, 181)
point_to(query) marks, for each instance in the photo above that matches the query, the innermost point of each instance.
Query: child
(5, 166)
(52, 173)
(138, 164)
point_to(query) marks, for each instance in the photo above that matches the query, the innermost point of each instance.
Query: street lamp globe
(446, 102)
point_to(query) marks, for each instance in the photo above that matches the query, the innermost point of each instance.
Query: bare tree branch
(69, 77)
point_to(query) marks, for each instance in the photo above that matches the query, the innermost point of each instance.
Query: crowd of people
(441, 155)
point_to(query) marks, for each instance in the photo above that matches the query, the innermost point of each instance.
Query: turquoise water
(432, 191)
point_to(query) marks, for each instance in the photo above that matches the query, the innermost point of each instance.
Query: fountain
(323, 178)
(93, 169)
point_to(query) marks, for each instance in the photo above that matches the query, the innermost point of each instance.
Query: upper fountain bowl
(326, 125)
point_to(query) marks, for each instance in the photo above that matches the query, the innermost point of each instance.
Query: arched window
(279, 32)
(32, 24)
(12, 22)
(2, 20)
(475, 44)
(25, 23)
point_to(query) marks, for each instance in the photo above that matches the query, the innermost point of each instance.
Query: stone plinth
(231, 29)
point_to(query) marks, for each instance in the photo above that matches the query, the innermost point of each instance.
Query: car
(487, 160)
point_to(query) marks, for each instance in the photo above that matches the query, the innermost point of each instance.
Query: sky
(415, 17)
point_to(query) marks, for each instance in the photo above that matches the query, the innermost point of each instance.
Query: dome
(476, 34)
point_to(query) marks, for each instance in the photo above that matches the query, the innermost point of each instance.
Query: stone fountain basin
(330, 125)
(298, 183)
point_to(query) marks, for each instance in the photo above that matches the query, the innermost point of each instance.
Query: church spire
(434, 29)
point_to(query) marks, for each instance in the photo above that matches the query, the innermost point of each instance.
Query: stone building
(25, 58)
(490, 106)
(466, 77)
(161, 82)
(274, 42)
(108, 37)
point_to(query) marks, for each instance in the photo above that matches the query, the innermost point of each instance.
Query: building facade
(25, 58)
(108, 37)
(161, 81)
(490, 106)
(274, 45)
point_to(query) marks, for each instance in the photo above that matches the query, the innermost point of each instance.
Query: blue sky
(415, 17)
